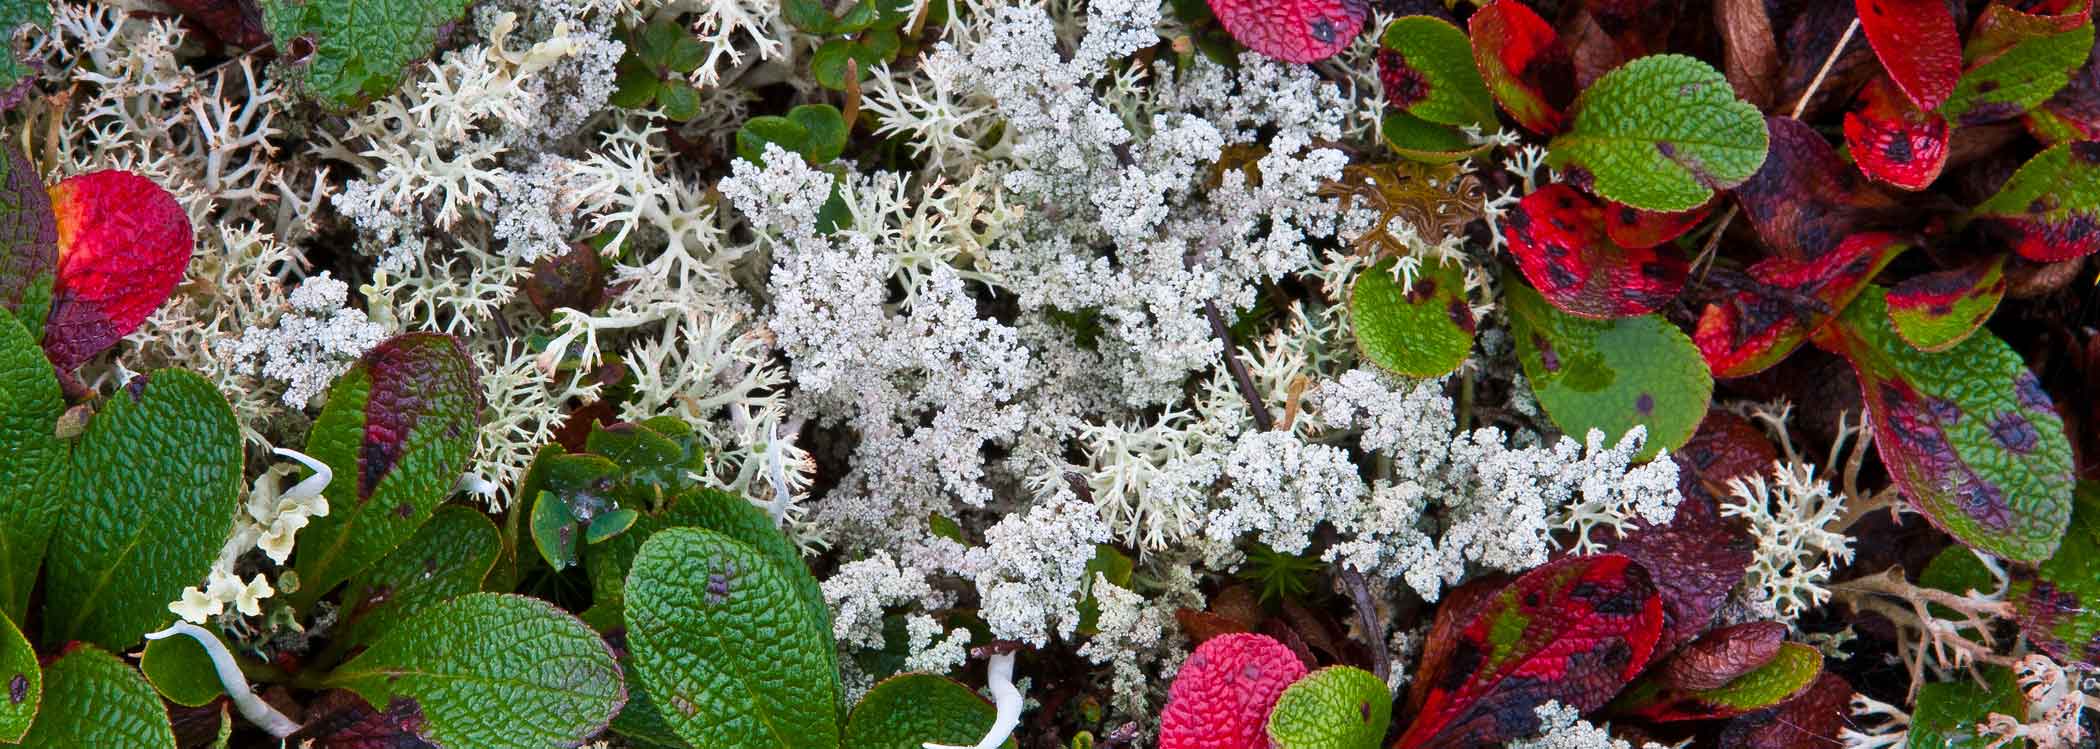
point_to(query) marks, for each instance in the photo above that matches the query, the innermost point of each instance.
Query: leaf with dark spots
(1805, 200)
(1457, 609)
(1661, 132)
(1754, 328)
(1726, 446)
(1814, 718)
(1941, 425)
(341, 720)
(2074, 112)
(397, 430)
(25, 682)
(2050, 209)
(2056, 601)
(1610, 375)
(1635, 228)
(1892, 140)
(1574, 630)
(1422, 330)
(1695, 559)
(1918, 45)
(2015, 60)
(1936, 311)
(1293, 30)
(1525, 65)
(123, 245)
(1562, 244)
(1722, 655)
(1425, 64)
(28, 242)
(1788, 670)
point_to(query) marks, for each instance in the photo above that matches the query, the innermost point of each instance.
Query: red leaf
(1293, 30)
(1893, 140)
(1725, 447)
(123, 244)
(1632, 227)
(1636, 27)
(1695, 559)
(1810, 719)
(235, 22)
(1756, 328)
(1917, 43)
(1563, 247)
(1525, 65)
(1805, 200)
(1459, 606)
(414, 377)
(1719, 656)
(1222, 696)
(1575, 630)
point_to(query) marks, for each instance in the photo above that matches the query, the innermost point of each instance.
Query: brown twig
(1367, 617)
(1244, 382)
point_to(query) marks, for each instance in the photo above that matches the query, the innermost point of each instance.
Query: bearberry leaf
(1337, 707)
(698, 603)
(1575, 630)
(1814, 718)
(1947, 714)
(1420, 140)
(345, 53)
(1610, 375)
(2050, 209)
(1292, 30)
(2016, 60)
(1787, 672)
(32, 468)
(1422, 330)
(1720, 656)
(906, 711)
(1918, 45)
(23, 679)
(2074, 112)
(2056, 600)
(93, 699)
(1562, 241)
(1222, 695)
(1805, 200)
(397, 431)
(123, 244)
(1936, 311)
(1725, 447)
(1661, 133)
(1969, 434)
(156, 480)
(1705, 555)
(16, 77)
(1894, 141)
(28, 242)
(180, 670)
(490, 670)
(1754, 328)
(447, 558)
(1426, 66)
(1524, 64)
(816, 131)
(608, 564)
(1632, 227)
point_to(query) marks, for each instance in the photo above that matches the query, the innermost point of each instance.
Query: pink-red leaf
(1293, 30)
(1575, 630)
(1917, 44)
(1755, 328)
(1221, 697)
(1725, 447)
(123, 244)
(1632, 227)
(1936, 311)
(1564, 248)
(1814, 718)
(1525, 65)
(1805, 200)
(1695, 559)
(1893, 140)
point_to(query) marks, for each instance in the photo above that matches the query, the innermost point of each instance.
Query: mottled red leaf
(1562, 245)
(2074, 112)
(1781, 673)
(1917, 43)
(1221, 697)
(1695, 559)
(1725, 447)
(28, 241)
(1293, 30)
(1719, 656)
(1755, 328)
(1812, 719)
(1893, 140)
(1525, 65)
(1574, 630)
(1805, 200)
(341, 720)
(1632, 227)
(1936, 311)
(414, 377)
(1457, 609)
(2049, 210)
(123, 244)
(2016, 58)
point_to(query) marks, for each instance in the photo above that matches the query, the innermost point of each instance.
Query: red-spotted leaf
(1293, 30)
(123, 244)
(1814, 718)
(1562, 245)
(2050, 209)
(1426, 67)
(1524, 64)
(1575, 630)
(1786, 670)
(2016, 60)
(1632, 227)
(1755, 328)
(1221, 697)
(1936, 311)
(1417, 139)
(1702, 554)
(1893, 140)
(1917, 44)
(1805, 200)
(2056, 601)
(28, 242)
(1968, 434)
(1725, 447)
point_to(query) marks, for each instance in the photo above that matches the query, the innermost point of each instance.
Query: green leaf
(1969, 434)
(2056, 600)
(828, 64)
(28, 238)
(156, 480)
(1936, 311)
(93, 699)
(825, 130)
(1610, 374)
(906, 710)
(1788, 673)
(1947, 713)
(1108, 561)
(1417, 139)
(16, 76)
(1336, 707)
(1424, 330)
(447, 558)
(180, 670)
(1661, 133)
(669, 45)
(32, 468)
(2049, 207)
(22, 681)
(554, 531)
(398, 431)
(2014, 61)
(611, 524)
(345, 53)
(699, 606)
(635, 86)
(1956, 570)
(1434, 61)
(493, 671)
(679, 100)
(608, 563)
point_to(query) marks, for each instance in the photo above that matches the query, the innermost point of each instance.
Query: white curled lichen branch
(999, 673)
(251, 706)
